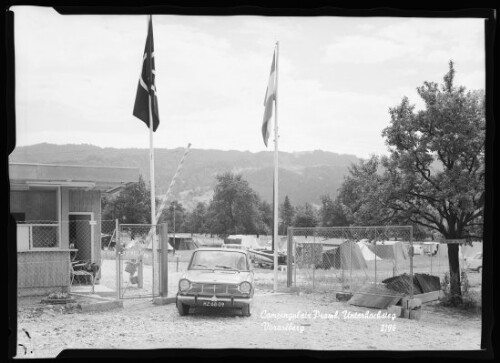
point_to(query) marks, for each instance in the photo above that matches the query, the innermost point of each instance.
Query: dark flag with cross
(146, 86)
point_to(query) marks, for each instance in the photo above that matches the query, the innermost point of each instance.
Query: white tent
(469, 251)
(247, 241)
(367, 253)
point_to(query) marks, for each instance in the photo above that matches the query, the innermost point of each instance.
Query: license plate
(214, 304)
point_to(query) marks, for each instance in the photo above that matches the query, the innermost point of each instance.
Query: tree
(266, 216)
(175, 212)
(331, 213)
(234, 208)
(362, 193)
(131, 205)
(434, 175)
(305, 216)
(287, 213)
(196, 220)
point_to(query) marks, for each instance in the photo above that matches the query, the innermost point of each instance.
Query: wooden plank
(429, 296)
(428, 282)
(375, 296)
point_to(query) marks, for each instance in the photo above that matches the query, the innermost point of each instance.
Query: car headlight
(184, 285)
(245, 287)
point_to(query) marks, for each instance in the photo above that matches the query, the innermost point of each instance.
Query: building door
(80, 235)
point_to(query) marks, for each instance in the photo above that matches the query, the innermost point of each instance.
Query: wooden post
(289, 259)
(164, 261)
(411, 263)
(140, 272)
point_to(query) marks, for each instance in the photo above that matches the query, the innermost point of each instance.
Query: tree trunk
(455, 290)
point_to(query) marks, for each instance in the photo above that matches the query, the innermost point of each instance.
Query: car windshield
(478, 256)
(218, 260)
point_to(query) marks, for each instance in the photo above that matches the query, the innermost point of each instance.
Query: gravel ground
(281, 321)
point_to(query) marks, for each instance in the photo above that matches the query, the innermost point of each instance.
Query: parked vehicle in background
(475, 263)
(217, 278)
(233, 246)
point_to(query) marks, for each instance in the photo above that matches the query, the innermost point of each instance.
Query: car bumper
(200, 301)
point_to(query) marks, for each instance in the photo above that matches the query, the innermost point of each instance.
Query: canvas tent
(247, 241)
(338, 254)
(390, 250)
(345, 256)
(469, 251)
(368, 255)
(182, 242)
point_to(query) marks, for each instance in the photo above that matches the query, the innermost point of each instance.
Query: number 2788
(385, 328)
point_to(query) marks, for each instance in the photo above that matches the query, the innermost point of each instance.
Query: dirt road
(313, 321)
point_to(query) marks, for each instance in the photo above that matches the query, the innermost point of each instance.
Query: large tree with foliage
(362, 199)
(434, 175)
(167, 216)
(196, 220)
(332, 213)
(234, 208)
(305, 216)
(131, 205)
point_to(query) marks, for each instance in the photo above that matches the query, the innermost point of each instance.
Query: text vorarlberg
(316, 314)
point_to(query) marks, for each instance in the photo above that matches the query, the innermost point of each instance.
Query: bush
(469, 302)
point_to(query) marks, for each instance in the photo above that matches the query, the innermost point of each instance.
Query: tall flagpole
(151, 149)
(275, 187)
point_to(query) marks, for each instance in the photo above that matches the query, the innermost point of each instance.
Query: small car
(217, 278)
(475, 263)
(233, 246)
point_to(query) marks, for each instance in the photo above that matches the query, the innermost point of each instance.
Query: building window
(36, 213)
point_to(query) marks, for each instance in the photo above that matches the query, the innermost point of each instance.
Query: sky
(77, 75)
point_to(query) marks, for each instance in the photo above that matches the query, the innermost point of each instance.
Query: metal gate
(138, 260)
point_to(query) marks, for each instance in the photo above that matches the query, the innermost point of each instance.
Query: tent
(345, 256)
(182, 243)
(469, 251)
(465, 250)
(368, 255)
(390, 250)
(247, 241)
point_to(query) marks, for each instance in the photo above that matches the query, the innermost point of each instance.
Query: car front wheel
(182, 308)
(245, 311)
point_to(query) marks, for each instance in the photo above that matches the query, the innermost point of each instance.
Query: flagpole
(151, 148)
(275, 187)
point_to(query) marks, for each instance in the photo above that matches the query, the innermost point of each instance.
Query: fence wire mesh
(352, 259)
(139, 256)
(57, 256)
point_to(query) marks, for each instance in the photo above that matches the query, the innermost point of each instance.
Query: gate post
(164, 261)
(289, 258)
(117, 259)
(411, 262)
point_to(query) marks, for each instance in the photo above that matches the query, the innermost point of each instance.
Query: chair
(77, 272)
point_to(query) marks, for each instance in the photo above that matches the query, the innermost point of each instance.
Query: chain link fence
(139, 256)
(82, 255)
(54, 256)
(351, 259)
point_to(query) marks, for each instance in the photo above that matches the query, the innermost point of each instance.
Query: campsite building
(57, 210)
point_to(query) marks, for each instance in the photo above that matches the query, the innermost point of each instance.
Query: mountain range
(303, 176)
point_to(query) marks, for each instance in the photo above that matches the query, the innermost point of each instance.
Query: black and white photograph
(257, 182)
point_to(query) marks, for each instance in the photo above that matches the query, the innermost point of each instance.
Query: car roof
(220, 249)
